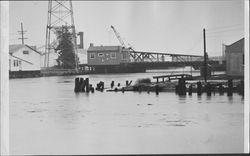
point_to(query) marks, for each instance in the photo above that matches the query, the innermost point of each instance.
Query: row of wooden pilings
(82, 85)
(181, 89)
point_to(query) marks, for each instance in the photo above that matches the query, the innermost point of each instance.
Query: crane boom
(118, 36)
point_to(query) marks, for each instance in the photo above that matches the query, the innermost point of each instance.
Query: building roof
(14, 47)
(103, 48)
(237, 46)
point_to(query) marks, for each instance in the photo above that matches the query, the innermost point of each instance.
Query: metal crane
(118, 36)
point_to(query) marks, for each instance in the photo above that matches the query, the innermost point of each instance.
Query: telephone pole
(22, 33)
(205, 56)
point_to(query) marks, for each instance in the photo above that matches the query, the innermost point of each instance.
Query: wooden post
(122, 89)
(76, 85)
(112, 84)
(199, 88)
(190, 89)
(184, 88)
(126, 83)
(91, 88)
(87, 84)
(81, 84)
(157, 89)
(221, 89)
(102, 86)
(208, 89)
(205, 56)
(230, 87)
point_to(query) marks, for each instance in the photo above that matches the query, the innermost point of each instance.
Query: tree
(65, 48)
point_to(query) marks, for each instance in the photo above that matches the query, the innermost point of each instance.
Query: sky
(158, 26)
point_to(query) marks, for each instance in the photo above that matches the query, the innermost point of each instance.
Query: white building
(24, 58)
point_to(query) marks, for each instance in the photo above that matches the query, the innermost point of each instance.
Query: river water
(47, 117)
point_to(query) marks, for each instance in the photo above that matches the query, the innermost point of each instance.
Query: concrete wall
(32, 57)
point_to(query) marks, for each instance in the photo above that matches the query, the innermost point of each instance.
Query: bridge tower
(60, 13)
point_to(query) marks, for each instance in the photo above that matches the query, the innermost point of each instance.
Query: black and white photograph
(124, 77)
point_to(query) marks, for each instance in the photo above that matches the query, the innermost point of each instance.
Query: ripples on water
(49, 104)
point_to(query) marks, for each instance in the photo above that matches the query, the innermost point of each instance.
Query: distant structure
(107, 58)
(24, 58)
(235, 58)
(60, 13)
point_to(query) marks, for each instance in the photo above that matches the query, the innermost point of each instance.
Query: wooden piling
(112, 84)
(190, 89)
(230, 87)
(181, 88)
(208, 89)
(87, 84)
(92, 88)
(221, 89)
(81, 84)
(122, 89)
(77, 85)
(101, 86)
(199, 88)
(157, 89)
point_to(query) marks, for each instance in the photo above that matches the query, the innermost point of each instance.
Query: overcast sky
(160, 26)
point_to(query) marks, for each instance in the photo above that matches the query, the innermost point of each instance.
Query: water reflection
(46, 107)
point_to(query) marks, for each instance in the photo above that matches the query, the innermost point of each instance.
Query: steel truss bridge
(156, 60)
(139, 56)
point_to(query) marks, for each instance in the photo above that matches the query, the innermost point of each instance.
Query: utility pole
(205, 56)
(22, 33)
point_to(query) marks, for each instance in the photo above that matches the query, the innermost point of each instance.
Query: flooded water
(47, 117)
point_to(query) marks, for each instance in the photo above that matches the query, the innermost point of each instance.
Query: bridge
(140, 61)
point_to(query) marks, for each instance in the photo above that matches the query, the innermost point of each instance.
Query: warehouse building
(235, 58)
(107, 55)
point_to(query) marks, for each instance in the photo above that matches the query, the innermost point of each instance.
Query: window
(100, 54)
(124, 56)
(15, 63)
(92, 55)
(26, 52)
(113, 55)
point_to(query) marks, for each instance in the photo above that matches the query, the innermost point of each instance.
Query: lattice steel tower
(60, 13)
